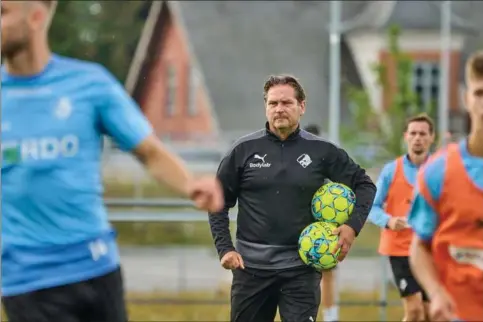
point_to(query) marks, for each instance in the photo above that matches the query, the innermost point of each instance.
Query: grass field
(196, 233)
(172, 311)
(220, 312)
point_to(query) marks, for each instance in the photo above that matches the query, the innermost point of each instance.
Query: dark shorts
(100, 299)
(404, 278)
(256, 294)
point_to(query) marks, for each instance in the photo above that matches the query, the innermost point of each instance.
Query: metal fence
(182, 211)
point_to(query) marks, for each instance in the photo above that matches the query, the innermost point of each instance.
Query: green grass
(367, 241)
(145, 189)
(198, 233)
(220, 312)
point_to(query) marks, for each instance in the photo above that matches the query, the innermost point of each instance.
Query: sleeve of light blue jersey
(377, 215)
(422, 218)
(121, 118)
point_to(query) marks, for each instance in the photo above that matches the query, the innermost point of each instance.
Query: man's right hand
(398, 223)
(207, 193)
(232, 260)
(442, 307)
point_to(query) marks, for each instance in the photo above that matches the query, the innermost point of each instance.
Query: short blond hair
(474, 67)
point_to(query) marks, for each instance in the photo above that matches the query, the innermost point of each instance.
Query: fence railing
(136, 210)
(182, 210)
(149, 203)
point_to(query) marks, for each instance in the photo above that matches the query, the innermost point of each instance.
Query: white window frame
(171, 82)
(193, 83)
(427, 81)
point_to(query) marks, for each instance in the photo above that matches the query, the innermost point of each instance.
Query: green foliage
(384, 129)
(106, 32)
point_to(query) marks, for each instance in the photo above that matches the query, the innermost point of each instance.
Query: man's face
(283, 111)
(15, 28)
(474, 102)
(419, 137)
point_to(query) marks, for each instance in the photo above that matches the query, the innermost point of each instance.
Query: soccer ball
(317, 246)
(333, 203)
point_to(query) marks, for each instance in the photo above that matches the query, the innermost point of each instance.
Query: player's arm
(228, 174)
(341, 168)
(377, 214)
(424, 220)
(122, 119)
(163, 165)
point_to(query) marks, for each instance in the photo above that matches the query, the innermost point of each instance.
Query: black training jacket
(273, 182)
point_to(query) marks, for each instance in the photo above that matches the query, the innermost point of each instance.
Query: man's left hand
(346, 238)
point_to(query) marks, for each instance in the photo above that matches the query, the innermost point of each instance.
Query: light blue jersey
(55, 229)
(377, 215)
(422, 218)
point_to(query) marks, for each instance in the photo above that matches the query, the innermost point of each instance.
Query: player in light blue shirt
(447, 217)
(377, 215)
(418, 153)
(60, 261)
(422, 218)
(425, 220)
(395, 187)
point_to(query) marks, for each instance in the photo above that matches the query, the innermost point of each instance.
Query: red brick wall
(174, 51)
(429, 56)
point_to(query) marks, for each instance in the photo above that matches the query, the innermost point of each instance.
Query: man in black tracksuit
(273, 174)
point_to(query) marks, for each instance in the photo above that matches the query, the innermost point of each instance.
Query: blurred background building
(207, 61)
(199, 66)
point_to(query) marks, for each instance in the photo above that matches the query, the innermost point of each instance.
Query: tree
(383, 129)
(106, 32)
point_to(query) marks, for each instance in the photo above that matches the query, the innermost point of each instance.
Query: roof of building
(236, 45)
(251, 41)
(419, 15)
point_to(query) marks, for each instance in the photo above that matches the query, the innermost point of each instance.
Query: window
(426, 85)
(193, 81)
(170, 107)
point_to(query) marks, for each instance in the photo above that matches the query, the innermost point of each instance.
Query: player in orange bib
(447, 217)
(395, 189)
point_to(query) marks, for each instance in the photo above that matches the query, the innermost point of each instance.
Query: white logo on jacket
(304, 160)
(261, 164)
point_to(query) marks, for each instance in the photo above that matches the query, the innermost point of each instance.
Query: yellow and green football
(317, 246)
(333, 203)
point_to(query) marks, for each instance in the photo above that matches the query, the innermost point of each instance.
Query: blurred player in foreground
(330, 307)
(60, 261)
(447, 217)
(395, 189)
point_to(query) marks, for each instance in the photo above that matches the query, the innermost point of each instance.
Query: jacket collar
(294, 135)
